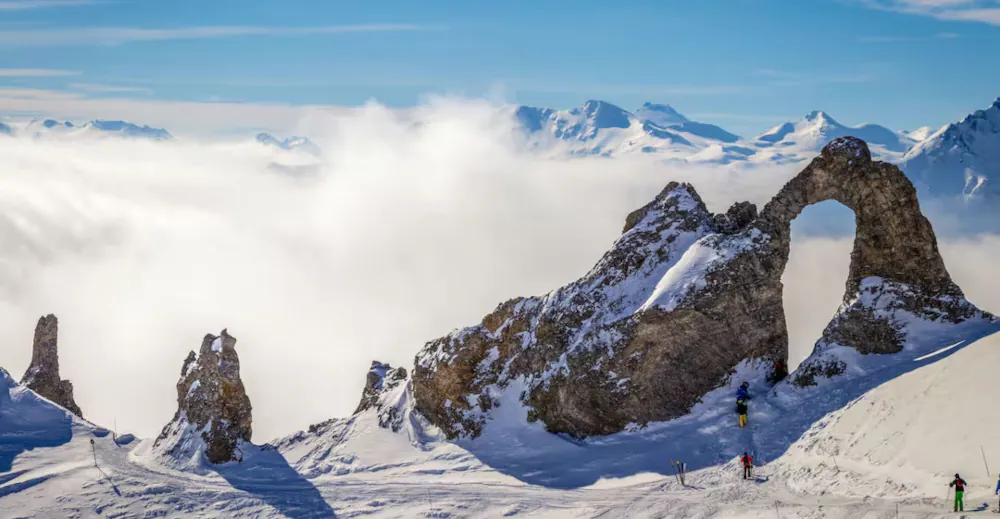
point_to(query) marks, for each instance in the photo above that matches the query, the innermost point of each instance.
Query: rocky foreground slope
(684, 297)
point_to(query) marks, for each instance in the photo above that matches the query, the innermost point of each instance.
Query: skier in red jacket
(747, 465)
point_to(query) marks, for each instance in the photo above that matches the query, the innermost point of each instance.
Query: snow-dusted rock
(213, 411)
(42, 375)
(382, 378)
(683, 298)
(594, 354)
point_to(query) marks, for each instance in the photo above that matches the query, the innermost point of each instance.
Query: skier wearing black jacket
(959, 485)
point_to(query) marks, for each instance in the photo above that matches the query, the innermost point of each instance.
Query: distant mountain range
(44, 128)
(959, 160)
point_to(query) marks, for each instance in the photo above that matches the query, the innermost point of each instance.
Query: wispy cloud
(24, 5)
(37, 94)
(785, 78)
(909, 39)
(610, 89)
(726, 116)
(35, 72)
(982, 11)
(110, 89)
(120, 35)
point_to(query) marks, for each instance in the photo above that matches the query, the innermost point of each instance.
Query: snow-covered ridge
(961, 160)
(293, 143)
(51, 128)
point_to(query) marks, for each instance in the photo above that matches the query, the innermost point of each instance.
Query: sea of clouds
(415, 223)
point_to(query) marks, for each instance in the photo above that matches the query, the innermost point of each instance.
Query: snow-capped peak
(292, 143)
(818, 128)
(961, 158)
(660, 114)
(819, 116)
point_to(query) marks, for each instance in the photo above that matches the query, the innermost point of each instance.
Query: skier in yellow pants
(741, 409)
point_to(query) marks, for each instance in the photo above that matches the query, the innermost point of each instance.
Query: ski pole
(988, 473)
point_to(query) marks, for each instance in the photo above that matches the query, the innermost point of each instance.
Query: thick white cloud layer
(413, 227)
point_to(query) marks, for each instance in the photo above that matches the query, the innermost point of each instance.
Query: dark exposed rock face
(42, 375)
(683, 298)
(213, 410)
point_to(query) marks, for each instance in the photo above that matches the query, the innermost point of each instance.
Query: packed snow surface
(888, 435)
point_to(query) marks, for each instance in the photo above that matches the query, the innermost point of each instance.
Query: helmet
(956, 476)
(745, 384)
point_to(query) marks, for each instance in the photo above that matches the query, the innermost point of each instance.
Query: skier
(959, 485)
(747, 465)
(743, 393)
(997, 492)
(741, 409)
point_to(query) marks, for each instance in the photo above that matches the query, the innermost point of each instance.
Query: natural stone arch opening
(813, 281)
(893, 240)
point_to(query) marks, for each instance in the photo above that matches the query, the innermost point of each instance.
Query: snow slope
(888, 435)
(960, 160)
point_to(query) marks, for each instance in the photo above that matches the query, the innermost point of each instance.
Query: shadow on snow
(27, 422)
(266, 475)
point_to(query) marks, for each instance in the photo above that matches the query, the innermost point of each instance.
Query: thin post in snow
(835, 464)
(94, 449)
(988, 473)
(897, 510)
(776, 512)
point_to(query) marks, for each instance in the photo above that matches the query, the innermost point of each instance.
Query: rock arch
(683, 298)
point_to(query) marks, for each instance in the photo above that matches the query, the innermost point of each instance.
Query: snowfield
(855, 446)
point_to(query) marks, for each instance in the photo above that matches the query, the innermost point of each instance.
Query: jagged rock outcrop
(383, 380)
(42, 375)
(683, 298)
(213, 410)
(381, 377)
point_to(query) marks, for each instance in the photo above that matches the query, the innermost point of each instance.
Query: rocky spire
(213, 409)
(42, 375)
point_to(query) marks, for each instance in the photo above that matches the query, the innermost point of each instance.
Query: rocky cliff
(381, 383)
(213, 410)
(42, 375)
(683, 298)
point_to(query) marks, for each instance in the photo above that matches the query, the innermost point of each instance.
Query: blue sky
(744, 64)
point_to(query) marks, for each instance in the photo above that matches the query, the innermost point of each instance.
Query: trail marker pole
(776, 512)
(835, 463)
(94, 449)
(988, 473)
